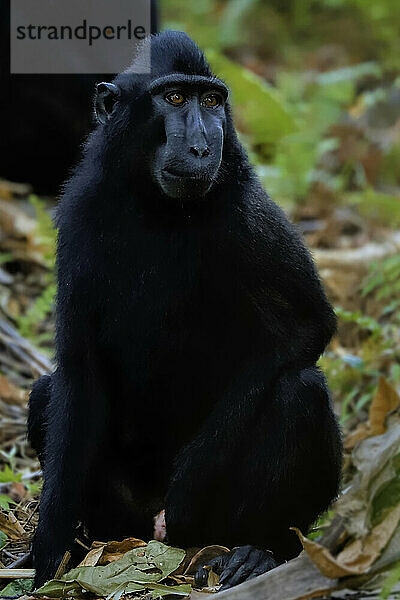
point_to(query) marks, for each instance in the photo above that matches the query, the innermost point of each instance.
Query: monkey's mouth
(174, 174)
(182, 182)
(179, 183)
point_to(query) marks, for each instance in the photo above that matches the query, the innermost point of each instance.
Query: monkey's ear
(106, 97)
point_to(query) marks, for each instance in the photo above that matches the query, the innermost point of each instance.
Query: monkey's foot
(241, 564)
(160, 528)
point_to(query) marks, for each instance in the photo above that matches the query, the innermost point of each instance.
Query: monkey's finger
(263, 564)
(236, 560)
(241, 575)
(217, 564)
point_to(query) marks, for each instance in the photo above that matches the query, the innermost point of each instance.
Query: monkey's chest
(170, 348)
(167, 343)
(166, 310)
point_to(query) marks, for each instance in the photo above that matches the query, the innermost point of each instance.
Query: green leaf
(138, 570)
(45, 231)
(363, 321)
(387, 495)
(352, 73)
(5, 502)
(3, 539)
(232, 31)
(34, 487)
(390, 582)
(7, 475)
(159, 589)
(257, 104)
(376, 206)
(18, 587)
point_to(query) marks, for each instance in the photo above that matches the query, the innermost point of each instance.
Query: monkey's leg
(253, 490)
(37, 420)
(76, 418)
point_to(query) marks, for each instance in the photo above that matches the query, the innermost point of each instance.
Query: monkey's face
(186, 136)
(190, 113)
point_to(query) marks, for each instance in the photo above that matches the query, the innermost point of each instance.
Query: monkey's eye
(211, 100)
(175, 98)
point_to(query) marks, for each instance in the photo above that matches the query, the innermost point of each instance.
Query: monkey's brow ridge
(188, 80)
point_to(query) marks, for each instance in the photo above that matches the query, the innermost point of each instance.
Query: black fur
(187, 336)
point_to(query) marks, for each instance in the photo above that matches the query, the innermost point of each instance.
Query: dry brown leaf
(14, 221)
(190, 552)
(8, 189)
(358, 556)
(114, 550)
(92, 557)
(364, 552)
(212, 579)
(323, 559)
(10, 525)
(360, 433)
(385, 400)
(179, 579)
(17, 491)
(20, 233)
(203, 556)
(10, 393)
(102, 553)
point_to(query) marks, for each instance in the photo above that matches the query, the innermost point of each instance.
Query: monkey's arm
(75, 419)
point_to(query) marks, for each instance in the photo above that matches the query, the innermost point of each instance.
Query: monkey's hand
(241, 564)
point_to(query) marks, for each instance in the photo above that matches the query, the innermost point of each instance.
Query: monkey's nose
(200, 151)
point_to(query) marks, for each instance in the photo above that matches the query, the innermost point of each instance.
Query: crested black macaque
(190, 318)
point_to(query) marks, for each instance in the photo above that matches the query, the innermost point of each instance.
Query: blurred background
(316, 95)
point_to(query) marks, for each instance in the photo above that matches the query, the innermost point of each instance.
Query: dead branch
(23, 349)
